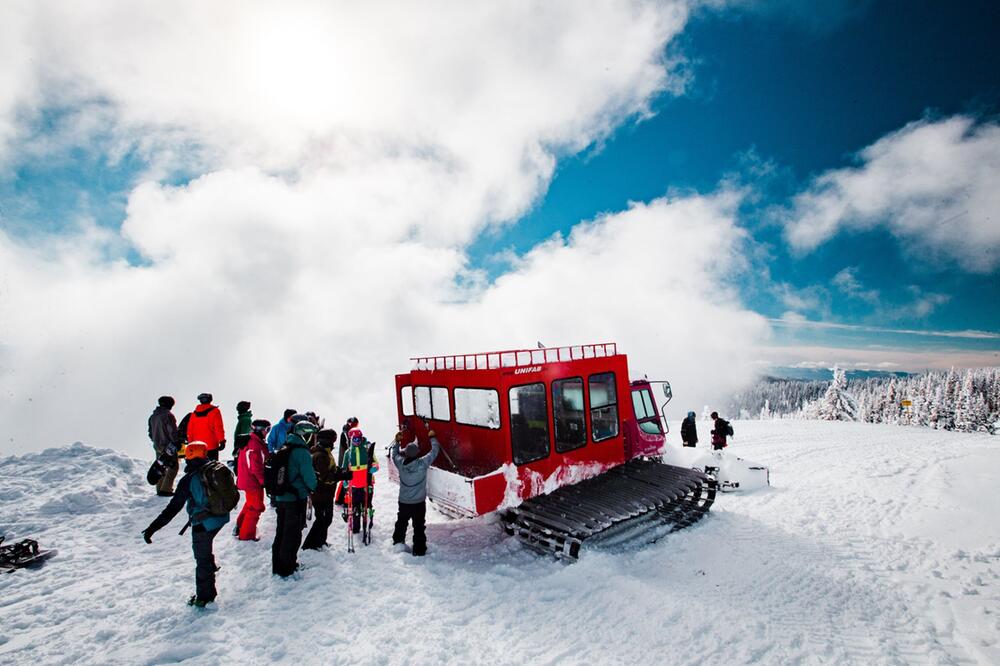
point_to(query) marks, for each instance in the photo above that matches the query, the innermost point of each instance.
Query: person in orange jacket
(205, 425)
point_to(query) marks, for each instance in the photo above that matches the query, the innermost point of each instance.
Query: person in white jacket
(412, 490)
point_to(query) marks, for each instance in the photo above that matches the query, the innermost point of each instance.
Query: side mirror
(668, 393)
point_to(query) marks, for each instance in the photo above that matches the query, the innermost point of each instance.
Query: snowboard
(24, 554)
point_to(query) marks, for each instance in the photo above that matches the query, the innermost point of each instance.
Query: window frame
(586, 430)
(474, 425)
(430, 397)
(548, 418)
(647, 393)
(616, 404)
(402, 400)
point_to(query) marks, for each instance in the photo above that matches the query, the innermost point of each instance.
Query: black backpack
(182, 428)
(220, 488)
(276, 473)
(729, 429)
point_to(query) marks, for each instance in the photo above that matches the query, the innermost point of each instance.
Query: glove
(399, 437)
(431, 433)
(147, 535)
(222, 444)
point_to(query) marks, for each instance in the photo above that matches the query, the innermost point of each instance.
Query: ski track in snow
(875, 544)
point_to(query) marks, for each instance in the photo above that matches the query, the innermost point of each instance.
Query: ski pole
(186, 525)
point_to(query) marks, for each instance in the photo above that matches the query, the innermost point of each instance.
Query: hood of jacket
(204, 409)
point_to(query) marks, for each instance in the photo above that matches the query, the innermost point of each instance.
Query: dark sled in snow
(22, 555)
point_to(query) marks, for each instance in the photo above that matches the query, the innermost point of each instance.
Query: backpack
(182, 428)
(221, 495)
(276, 473)
(729, 429)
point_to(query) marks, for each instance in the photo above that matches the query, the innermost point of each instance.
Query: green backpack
(220, 488)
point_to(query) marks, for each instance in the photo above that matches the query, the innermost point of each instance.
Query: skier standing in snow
(291, 506)
(327, 476)
(204, 525)
(280, 431)
(206, 426)
(412, 490)
(345, 441)
(241, 435)
(166, 442)
(689, 430)
(720, 432)
(359, 460)
(250, 479)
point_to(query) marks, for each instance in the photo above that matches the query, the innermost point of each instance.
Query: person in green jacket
(291, 506)
(244, 417)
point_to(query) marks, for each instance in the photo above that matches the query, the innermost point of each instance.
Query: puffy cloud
(343, 158)
(934, 184)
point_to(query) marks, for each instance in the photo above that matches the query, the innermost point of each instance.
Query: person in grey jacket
(412, 490)
(166, 442)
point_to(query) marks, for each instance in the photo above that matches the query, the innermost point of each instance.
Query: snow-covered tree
(837, 404)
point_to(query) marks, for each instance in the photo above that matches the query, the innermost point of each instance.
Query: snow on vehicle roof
(514, 358)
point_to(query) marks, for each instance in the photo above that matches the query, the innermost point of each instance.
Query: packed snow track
(874, 545)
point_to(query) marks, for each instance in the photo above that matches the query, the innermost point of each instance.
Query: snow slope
(875, 544)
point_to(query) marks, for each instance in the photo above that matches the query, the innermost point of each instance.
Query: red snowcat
(556, 439)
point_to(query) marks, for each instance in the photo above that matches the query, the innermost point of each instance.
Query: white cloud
(348, 155)
(846, 280)
(934, 184)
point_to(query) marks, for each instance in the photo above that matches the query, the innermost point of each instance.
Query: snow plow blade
(635, 503)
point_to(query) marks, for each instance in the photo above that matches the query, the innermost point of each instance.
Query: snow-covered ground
(875, 544)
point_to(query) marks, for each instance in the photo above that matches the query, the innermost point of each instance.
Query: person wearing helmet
(359, 460)
(327, 475)
(205, 425)
(412, 489)
(689, 430)
(291, 506)
(351, 422)
(204, 525)
(250, 479)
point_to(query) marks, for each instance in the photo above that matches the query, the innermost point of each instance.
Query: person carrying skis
(280, 431)
(204, 525)
(244, 419)
(412, 490)
(720, 432)
(206, 426)
(166, 441)
(359, 460)
(291, 505)
(689, 430)
(250, 479)
(327, 476)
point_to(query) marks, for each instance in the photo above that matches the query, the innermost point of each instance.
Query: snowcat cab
(557, 439)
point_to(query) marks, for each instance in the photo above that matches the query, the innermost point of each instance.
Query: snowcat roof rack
(514, 358)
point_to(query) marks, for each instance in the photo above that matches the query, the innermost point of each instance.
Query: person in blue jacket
(204, 526)
(291, 506)
(279, 432)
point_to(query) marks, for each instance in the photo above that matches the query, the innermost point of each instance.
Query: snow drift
(875, 544)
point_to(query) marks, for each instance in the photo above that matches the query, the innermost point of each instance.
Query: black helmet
(204, 398)
(304, 428)
(260, 426)
(298, 418)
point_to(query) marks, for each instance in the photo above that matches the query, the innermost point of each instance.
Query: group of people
(294, 463)
(721, 431)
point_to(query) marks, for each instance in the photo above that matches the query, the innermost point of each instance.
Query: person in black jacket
(327, 475)
(166, 442)
(689, 431)
(720, 432)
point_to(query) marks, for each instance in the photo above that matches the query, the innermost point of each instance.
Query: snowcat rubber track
(635, 503)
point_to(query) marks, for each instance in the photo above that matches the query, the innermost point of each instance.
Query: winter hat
(298, 418)
(166, 401)
(715, 415)
(260, 425)
(242, 406)
(195, 450)
(690, 415)
(204, 398)
(411, 451)
(326, 436)
(289, 412)
(353, 421)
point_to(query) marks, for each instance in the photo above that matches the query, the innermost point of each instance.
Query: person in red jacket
(250, 479)
(205, 425)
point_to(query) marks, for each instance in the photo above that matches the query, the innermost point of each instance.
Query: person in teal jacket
(291, 506)
(204, 525)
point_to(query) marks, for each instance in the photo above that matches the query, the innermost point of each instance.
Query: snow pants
(316, 539)
(417, 513)
(166, 482)
(287, 537)
(246, 522)
(204, 562)
(360, 501)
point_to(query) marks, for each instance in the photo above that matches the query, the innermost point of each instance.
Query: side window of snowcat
(529, 423)
(431, 402)
(568, 414)
(603, 406)
(645, 412)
